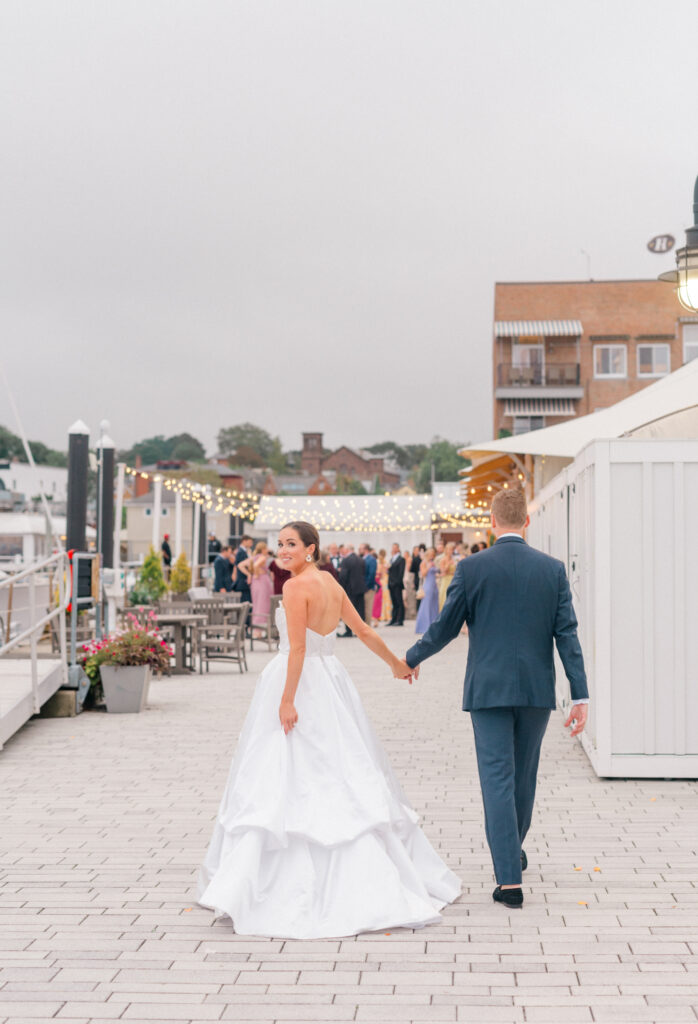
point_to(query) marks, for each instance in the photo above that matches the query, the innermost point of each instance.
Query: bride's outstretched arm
(372, 640)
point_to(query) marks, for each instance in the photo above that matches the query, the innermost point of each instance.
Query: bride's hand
(401, 670)
(287, 715)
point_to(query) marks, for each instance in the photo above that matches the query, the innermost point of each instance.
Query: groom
(516, 601)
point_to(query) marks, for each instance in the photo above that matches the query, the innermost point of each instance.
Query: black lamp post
(685, 277)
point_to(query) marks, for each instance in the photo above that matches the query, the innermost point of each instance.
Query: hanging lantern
(685, 277)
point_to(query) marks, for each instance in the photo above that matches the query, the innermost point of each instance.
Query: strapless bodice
(316, 645)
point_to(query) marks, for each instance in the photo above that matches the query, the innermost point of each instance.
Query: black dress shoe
(524, 860)
(509, 897)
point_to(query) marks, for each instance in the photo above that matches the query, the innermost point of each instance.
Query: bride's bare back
(323, 599)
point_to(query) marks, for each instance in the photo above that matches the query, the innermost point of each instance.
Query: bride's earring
(308, 558)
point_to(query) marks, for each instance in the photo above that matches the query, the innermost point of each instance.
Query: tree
(407, 456)
(186, 447)
(11, 447)
(246, 456)
(248, 436)
(447, 463)
(159, 449)
(199, 474)
(150, 585)
(348, 485)
(180, 577)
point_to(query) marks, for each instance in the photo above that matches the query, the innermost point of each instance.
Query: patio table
(180, 624)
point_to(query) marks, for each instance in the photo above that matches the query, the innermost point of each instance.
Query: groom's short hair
(509, 508)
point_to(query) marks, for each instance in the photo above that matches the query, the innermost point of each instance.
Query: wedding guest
(214, 547)
(335, 559)
(224, 570)
(353, 579)
(381, 580)
(396, 586)
(370, 566)
(386, 605)
(415, 563)
(242, 582)
(474, 548)
(166, 552)
(447, 568)
(410, 593)
(429, 604)
(325, 562)
(261, 587)
(279, 576)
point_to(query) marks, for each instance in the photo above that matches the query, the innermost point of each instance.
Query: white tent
(380, 519)
(667, 408)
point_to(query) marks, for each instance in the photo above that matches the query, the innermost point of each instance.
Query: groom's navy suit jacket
(516, 601)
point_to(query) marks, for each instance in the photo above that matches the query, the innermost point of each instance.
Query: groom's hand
(578, 716)
(405, 672)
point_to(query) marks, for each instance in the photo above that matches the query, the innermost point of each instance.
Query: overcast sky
(294, 212)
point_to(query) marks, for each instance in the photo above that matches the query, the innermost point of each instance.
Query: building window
(610, 361)
(522, 424)
(653, 360)
(690, 342)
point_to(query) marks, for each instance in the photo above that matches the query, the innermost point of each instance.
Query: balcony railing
(555, 375)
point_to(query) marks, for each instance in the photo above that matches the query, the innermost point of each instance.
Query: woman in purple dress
(429, 606)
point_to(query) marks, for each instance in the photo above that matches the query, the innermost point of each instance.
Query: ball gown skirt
(314, 837)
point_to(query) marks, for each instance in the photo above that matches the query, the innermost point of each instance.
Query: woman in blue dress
(429, 606)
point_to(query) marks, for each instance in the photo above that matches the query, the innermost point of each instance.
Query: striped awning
(539, 407)
(538, 328)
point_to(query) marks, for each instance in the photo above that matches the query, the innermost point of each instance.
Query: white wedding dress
(314, 836)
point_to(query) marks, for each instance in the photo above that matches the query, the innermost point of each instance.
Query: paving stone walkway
(104, 819)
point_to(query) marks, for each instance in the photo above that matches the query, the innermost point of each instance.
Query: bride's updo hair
(308, 534)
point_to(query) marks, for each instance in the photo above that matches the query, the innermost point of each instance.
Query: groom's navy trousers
(517, 603)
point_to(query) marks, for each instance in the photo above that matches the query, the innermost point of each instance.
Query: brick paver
(105, 820)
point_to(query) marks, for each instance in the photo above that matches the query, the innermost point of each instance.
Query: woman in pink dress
(262, 586)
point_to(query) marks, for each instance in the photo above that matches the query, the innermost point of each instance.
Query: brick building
(568, 348)
(345, 461)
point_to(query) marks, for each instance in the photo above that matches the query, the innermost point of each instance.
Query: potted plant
(121, 664)
(150, 585)
(180, 578)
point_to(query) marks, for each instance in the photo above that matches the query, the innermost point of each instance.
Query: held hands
(578, 715)
(401, 670)
(288, 715)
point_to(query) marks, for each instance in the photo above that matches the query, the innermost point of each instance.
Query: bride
(314, 836)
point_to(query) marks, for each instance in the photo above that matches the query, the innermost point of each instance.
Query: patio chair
(224, 642)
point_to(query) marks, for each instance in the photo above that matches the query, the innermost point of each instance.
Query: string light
(370, 514)
(243, 504)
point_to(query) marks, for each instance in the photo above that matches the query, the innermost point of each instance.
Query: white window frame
(611, 376)
(690, 341)
(654, 345)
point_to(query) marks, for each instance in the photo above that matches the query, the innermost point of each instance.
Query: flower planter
(125, 687)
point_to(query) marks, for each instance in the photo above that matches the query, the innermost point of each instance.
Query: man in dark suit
(396, 585)
(516, 601)
(224, 570)
(352, 576)
(242, 579)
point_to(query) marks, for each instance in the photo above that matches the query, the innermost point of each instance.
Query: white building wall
(622, 518)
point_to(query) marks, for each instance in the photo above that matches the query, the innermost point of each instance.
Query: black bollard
(78, 458)
(105, 540)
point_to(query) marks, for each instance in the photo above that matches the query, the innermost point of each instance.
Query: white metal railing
(57, 568)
